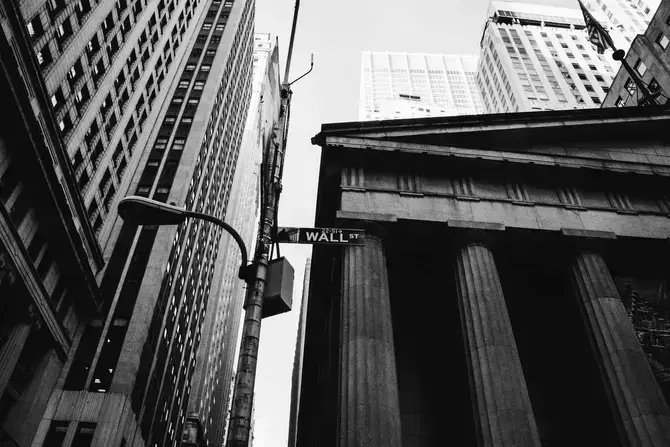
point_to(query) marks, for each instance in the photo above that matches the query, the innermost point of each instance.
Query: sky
(336, 32)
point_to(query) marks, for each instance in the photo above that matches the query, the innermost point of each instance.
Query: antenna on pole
(292, 38)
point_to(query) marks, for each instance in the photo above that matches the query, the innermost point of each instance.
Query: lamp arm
(215, 220)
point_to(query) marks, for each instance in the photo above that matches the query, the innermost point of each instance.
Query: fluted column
(369, 413)
(502, 408)
(641, 414)
(11, 350)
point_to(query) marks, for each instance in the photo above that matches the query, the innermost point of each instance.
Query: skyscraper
(539, 58)
(412, 85)
(48, 251)
(209, 402)
(296, 380)
(147, 98)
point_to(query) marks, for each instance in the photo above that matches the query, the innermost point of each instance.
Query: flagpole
(620, 55)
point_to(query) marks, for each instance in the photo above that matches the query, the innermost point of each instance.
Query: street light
(142, 211)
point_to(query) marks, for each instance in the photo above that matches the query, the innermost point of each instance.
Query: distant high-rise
(216, 358)
(296, 380)
(413, 85)
(539, 58)
(143, 97)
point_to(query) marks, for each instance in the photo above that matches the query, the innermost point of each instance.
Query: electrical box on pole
(278, 288)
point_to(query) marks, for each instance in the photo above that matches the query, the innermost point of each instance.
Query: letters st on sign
(332, 236)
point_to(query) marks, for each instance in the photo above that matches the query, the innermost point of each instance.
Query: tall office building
(48, 251)
(411, 85)
(539, 58)
(624, 19)
(296, 380)
(215, 361)
(147, 98)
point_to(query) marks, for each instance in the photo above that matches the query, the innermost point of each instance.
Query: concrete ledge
(492, 226)
(356, 215)
(593, 234)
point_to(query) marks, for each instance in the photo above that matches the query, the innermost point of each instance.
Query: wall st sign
(332, 236)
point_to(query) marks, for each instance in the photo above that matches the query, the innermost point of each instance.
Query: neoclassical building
(493, 301)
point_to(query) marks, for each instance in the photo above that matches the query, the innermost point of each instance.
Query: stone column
(11, 350)
(369, 413)
(640, 412)
(502, 408)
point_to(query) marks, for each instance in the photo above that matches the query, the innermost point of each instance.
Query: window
(84, 436)
(619, 102)
(640, 67)
(595, 100)
(57, 432)
(193, 101)
(630, 86)
(205, 68)
(662, 41)
(92, 47)
(199, 85)
(35, 28)
(570, 55)
(654, 86)
(108, 24)
(63, 32)
(75, 72)
(190, 67)
(178, 144)
(57, 99)
(44, 56)
(183, 83)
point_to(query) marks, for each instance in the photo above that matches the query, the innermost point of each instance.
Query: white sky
(337, 32)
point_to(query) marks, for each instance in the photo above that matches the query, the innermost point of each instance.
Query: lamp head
(142, 211)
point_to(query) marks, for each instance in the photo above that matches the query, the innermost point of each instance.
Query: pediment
(590, 129)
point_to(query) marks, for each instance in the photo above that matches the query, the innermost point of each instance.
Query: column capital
(33, 317)
(373, 229)
(590, 240)
(475, 233)
(7, 270)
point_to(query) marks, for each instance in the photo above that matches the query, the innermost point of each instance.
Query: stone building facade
(485, 307)
(649, 56)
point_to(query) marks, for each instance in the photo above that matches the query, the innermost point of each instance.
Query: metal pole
(243, 397)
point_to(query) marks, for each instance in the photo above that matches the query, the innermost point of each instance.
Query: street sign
(332, 236)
